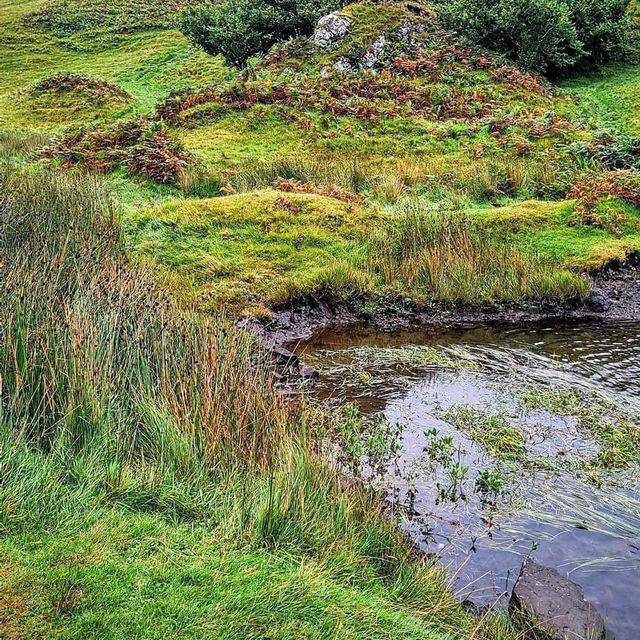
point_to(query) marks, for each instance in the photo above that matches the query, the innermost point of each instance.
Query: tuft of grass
(448, 258)
(492, 431)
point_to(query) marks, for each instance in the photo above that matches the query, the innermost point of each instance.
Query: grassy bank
(154, 484)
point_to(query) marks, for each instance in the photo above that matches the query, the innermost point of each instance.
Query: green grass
(134, 576)
(148, 63)
(610, 97)
(264, 246)
(543, 227)
(271, 248)
(154, 482)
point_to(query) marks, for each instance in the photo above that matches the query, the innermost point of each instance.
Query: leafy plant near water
(614, 428)
(364, 442)
(491, 431)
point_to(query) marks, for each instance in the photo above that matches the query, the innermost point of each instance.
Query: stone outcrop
(331, 29)
(554, 606)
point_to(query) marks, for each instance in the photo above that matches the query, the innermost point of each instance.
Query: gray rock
(284, 357)
(598, 301)
(331, 29)
(554, 605)
(308, 373)
(344, 64)
(372, 58)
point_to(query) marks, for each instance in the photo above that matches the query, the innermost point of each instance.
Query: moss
(260, 246)
(544, 227)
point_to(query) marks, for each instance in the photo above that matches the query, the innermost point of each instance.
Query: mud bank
(615, 295)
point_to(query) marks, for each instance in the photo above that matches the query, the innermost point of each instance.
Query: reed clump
(450, 258)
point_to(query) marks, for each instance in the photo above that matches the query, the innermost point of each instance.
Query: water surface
(552, 504)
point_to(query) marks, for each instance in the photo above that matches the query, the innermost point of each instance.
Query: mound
(72, 83)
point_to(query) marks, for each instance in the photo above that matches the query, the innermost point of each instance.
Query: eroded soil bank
(615, 295)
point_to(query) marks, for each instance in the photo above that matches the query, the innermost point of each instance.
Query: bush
(239, 29)
(545, 35)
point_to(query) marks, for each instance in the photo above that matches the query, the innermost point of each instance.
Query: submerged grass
(151, 477)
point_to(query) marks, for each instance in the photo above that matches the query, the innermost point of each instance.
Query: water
(558, 499)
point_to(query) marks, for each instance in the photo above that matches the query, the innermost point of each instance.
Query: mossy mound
(252, 248)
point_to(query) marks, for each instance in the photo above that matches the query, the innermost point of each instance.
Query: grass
(271, 248)
(543, 227)
(147, 63)
(610, 97)
(154, 483)
(152, 477)
(134, 575)
(492, 431)
(616, 431)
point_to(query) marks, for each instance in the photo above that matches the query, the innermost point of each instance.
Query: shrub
(544, 35)
(592, 192)
(239, 29)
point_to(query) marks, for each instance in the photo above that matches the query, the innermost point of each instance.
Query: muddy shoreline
(615, 296)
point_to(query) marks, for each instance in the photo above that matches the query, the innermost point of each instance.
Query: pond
(501, 443)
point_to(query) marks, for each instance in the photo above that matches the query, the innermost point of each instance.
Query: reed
(449, 258)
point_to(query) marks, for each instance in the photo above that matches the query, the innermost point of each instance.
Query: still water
(549, 486)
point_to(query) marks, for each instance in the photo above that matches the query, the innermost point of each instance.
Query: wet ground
(496, 452)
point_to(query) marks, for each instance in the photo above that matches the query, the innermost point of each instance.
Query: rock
(308, 373)
(284, 357)
(344, 65)
(372, 58)
(598, 301)
(555, 604)
(331, 29)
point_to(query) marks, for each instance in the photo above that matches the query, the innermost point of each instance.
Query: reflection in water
(550, 506)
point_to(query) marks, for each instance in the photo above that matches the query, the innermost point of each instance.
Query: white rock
(331, 29)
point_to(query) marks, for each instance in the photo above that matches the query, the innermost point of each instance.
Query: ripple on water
(550, 506)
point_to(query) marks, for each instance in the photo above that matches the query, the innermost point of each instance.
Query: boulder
(554, 606)
(372, 58)
(331, 29)
(598, 301)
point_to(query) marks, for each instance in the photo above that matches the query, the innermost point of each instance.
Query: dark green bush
(544, 35)
(239, 29)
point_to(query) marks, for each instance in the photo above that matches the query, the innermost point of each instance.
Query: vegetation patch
(99, 90)
(147, 150)
(91, 24)
(592, 192)
(273, 248)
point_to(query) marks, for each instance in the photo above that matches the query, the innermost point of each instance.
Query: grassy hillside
(147, 61)
(153, 482)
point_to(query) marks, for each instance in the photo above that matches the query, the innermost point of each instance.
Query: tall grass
(322, 172)
(113, 398)
(449, 258)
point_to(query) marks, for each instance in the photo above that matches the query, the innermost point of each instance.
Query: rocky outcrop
(554, 606)
(335, 28)
(331, 29)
